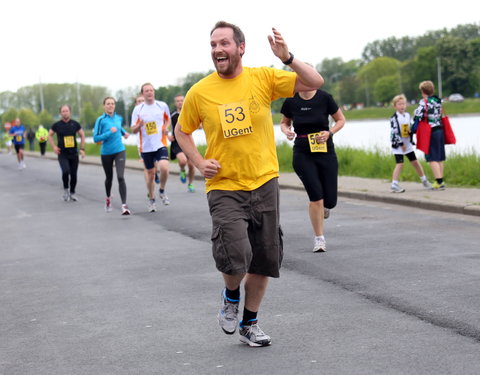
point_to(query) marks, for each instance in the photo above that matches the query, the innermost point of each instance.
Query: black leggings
(319, 174)
(69, 167)
(107, 163)
(43, 146)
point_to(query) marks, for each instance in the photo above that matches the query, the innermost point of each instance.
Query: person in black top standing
(66, 149)
(177, 153)
(314, 158)
(31, 138)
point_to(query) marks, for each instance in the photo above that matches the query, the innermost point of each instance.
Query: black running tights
(107, 163)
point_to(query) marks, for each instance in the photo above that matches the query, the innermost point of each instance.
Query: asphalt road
(86, 292)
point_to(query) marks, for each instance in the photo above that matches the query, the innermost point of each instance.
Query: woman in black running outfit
(314, 158)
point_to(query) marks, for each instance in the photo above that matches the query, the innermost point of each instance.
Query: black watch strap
(290, 59)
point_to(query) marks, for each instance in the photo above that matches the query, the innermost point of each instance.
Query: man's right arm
(52, 143)
(135, 124)
(307, 76)
(207, 167)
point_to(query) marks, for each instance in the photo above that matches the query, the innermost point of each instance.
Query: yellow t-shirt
(237, 120)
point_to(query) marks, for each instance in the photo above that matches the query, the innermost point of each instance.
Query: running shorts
(246, 232)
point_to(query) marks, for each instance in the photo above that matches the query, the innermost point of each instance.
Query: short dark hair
(65, 105)
(238, 35)
(427, 87)
(109, 97)
(146, 84)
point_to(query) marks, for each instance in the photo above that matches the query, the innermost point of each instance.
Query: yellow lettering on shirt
(151, 127)
(68, 141)
(315, 145)
(235, 119)
(405, 130)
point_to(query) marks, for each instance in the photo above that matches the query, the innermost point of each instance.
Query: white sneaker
(125, 210)
(254, 336)
(396, 189)
(164, 199)
(319, 246)
(108, 204)
(228, 315)
(152, 207)
(66, 195)
(73, 197)
(427, 185)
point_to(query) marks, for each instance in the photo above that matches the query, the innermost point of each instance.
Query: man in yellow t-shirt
(241, 167)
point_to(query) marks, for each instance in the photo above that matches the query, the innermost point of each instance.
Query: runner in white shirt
(150, 121)
(400, 138)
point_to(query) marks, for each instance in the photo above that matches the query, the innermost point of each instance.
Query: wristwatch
(290, 59)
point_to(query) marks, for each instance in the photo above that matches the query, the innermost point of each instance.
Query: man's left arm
(307, 77)
(82, 142)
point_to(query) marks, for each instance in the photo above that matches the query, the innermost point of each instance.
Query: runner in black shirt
(177, 153)
(66, 149)
(314, 158)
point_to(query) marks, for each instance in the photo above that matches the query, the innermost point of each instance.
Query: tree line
(387, 67)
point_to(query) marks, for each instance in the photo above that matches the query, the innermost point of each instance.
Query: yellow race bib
(69, 141)
(151, 128)
(18, 138)
(316, 146)
(405, 130)
(235, 119)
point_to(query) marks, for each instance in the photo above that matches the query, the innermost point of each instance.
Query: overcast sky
(121, 44)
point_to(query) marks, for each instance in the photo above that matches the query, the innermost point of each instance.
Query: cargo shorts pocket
(219, 252)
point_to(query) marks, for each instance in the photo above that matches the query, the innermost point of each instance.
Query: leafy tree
(9, 115)
(407, 80)
(458, 62)
(386, 88)
(374, 70)
(28, 118)
(89, 115)
(8, 100)
(401, 49)
(334, 70)
(347, 92)
(425, 67)
(45, 118)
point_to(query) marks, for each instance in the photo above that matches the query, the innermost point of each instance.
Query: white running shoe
(427, 185)
(228, 315)
(108, 204)
(73, 197)
(254, 336)
(396, 189)
(319, 246)
(152, 207)
(66, 195)
(164, 199)
(125, 210)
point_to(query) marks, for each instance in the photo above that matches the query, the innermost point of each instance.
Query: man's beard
(228, 70)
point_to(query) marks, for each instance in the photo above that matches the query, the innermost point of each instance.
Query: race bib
(18, 138)
(69, 141)
(405, 130)
(315, 145)
(151, 128)
(235, 119)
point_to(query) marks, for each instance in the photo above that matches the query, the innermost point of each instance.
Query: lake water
(375, 134)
